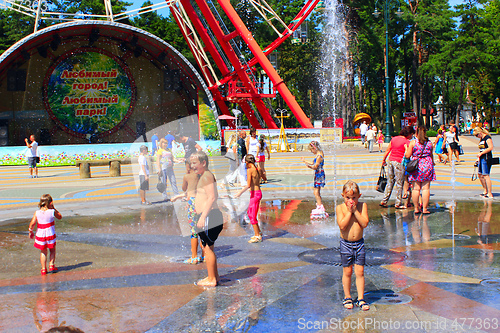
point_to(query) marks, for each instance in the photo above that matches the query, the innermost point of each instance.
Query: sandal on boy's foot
(191, 261)
(43, 271)
(347, 303)
(53, 268)
(255, 239)
(361, 303)
(400, 207)
(384, 205)
(201, 259)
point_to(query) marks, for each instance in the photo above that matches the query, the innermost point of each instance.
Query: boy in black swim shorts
(212, 227)
(352, 217)
(209, 222)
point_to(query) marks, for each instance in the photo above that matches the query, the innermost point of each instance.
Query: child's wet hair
(45, 201)
(201, 156)
(350, 186)
(315, 144)
(249, 158)
(143, 149)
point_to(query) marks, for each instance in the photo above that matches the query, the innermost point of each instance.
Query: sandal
(361, 303)
(384, 205)
(53, 268)
(201, 259)
(191, 261)
(400, 207)
(43, 271)
(347, 303)
(255, 239)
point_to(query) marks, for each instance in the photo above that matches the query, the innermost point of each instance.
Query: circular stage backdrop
(89, 91)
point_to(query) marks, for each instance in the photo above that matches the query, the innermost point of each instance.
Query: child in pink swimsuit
(45, 237)
(253, 183)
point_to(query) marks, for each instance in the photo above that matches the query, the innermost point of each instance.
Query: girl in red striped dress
(45, 237)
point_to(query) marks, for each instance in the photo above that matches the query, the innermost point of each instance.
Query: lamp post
(236, 113)
(376, 13)
(440, 110)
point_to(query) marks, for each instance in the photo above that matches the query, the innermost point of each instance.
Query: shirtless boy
(352, 217)
(209, 216)
(189, 183)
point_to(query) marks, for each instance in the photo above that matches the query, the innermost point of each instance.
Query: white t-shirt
(143, 161)
(363, 128)
(252, 146)
(32, 152)
(450, 137)
(370, 135)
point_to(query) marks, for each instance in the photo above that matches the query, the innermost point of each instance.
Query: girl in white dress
(45, 237)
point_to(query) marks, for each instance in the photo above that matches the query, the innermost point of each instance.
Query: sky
(138, 4)
(165, 12)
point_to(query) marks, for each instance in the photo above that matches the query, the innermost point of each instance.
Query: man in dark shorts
(32, 155)
(210, 221)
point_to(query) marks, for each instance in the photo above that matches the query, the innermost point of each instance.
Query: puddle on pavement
(389, 229)
(472, 222)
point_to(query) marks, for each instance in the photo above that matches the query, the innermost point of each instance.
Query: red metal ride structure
(204, 32)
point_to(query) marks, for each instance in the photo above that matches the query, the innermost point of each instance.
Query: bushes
(431, 133)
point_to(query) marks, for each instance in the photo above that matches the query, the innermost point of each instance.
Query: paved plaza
(121, 264)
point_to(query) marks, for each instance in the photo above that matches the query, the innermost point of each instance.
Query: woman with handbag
(450, 143)
(421, 150)
(165, 165)
(233, 175)
(485, 157)
(394, 167)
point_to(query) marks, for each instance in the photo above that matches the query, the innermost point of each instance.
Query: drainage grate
(387, 298)
(457, 237)
(491, 283)
(331, 256)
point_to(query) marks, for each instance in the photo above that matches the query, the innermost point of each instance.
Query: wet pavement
(121, 265)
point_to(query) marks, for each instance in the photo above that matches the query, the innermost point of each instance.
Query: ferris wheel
(202, 26)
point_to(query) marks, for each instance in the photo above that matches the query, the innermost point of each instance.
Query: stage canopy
(99, 81)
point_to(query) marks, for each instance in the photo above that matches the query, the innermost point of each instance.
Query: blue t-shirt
(154, 139)
(169, 138)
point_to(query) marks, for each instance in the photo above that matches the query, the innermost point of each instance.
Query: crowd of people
(370, 136)
(410, 145)
(247, 156)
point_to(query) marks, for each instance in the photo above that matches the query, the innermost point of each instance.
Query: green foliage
(431, 133)
(433, 50)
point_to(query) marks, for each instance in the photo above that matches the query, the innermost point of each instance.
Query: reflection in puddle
(90, 291)
(392, 227)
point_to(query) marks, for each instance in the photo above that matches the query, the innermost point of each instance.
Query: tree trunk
(416, 83)
(407, 82)
(370, 101)
(460, 101)
(360, 97)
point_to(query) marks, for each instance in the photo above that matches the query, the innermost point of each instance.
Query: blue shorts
(32, 162)
(352, 252)
(483, 167)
